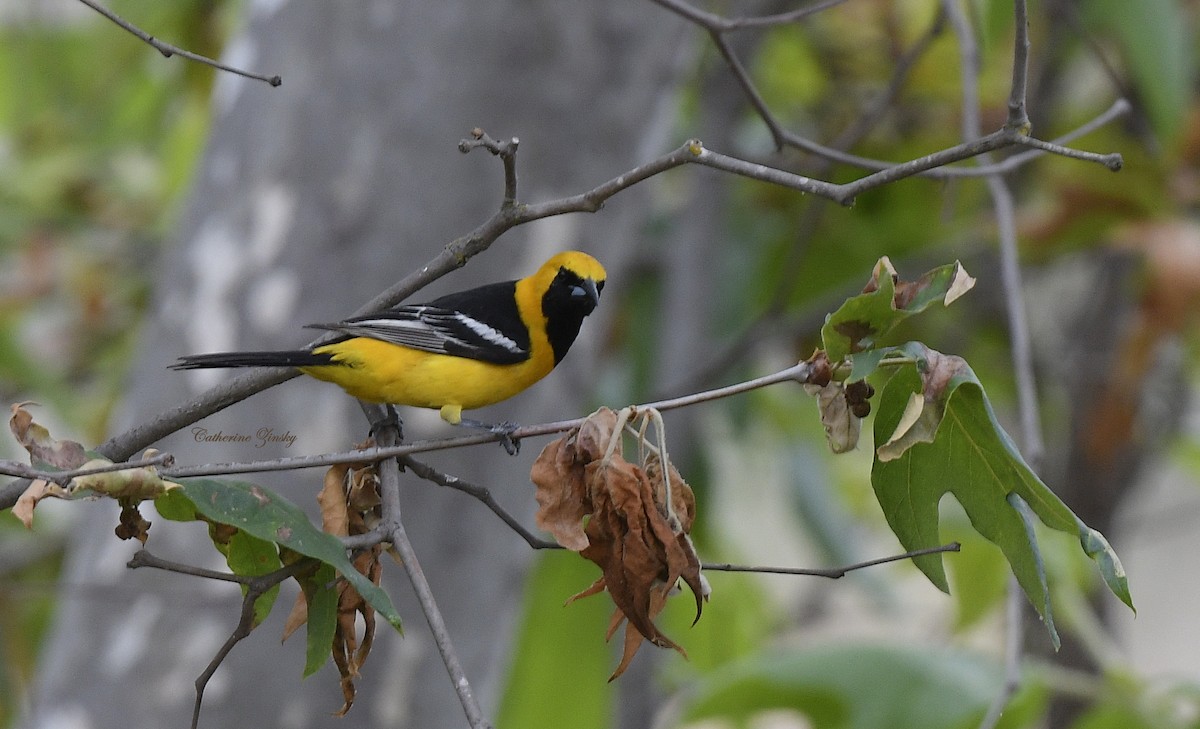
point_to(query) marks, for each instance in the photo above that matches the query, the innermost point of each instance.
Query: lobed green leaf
(972, 458)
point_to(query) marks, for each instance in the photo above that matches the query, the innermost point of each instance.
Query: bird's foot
(391, 419)
(504, 430)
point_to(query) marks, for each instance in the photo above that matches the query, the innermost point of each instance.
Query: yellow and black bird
(462, 351)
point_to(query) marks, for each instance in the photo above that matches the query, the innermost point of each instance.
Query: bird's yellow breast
(377, 371)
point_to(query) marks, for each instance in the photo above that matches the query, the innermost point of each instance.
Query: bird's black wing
(482, 324)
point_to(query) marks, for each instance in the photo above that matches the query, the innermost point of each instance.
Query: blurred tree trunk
(309, 200)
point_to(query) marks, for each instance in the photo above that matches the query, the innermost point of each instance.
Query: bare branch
(481, 493)
(256, 587)
(1015, 130)
(389, 483)
(833, 573)
(427, 472)
(169, 50)
(143, 558)
(1018, 115)
(1112, 161)
(20, 470)
(796, 373)
(506, 151)
(1011, 280)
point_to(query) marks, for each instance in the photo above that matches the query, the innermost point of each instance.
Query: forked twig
(256, 586)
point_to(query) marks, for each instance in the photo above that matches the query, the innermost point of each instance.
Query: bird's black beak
(593, 291)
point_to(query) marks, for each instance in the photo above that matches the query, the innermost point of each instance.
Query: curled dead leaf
(131, 484)
(350, 650)
(842, 426)
(42, 447)
(350, 504)
(28, 500)
(132, 524)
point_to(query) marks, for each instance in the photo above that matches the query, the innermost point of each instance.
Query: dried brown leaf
(42, 447)
(626, 535)
(349, 650)
(364, 490)
(681, 557)
(297, 617)
(595, 588)
(842, 427)
(33, 494)
(634, 639)
(595, 435)
(335, 517)
(132, 525)
(561, 494)
(616, 514)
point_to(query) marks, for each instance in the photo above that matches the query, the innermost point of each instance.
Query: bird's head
(570, 283)
(575, 282)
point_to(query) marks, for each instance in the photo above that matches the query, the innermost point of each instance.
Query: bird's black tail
(294, 358)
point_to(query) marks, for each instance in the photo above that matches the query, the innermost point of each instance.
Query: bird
(459, 352)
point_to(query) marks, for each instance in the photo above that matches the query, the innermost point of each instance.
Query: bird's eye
(599, 286)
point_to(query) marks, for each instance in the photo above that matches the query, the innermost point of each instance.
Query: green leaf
(321, 594)
(864, 364)
(861, 319)
(250, 556)
(858, 323)
(854, 687)
(974, 459)
(267, 515)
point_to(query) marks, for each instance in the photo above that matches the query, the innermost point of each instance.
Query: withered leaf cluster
(620, 516)
(349, 501)
(128, 486)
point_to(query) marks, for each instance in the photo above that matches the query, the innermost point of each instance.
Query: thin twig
(482, 494)
(833, 573)
(256, 587)
(169, 50)
(1011, 281)
(1112, 161)
(1015, 130)
(506, 151)
(742, 76)
(882, 103)
(393, 526)
(1018, 114)
(20, 470)
(796, 373)
(1119, 108)
(143, 558)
